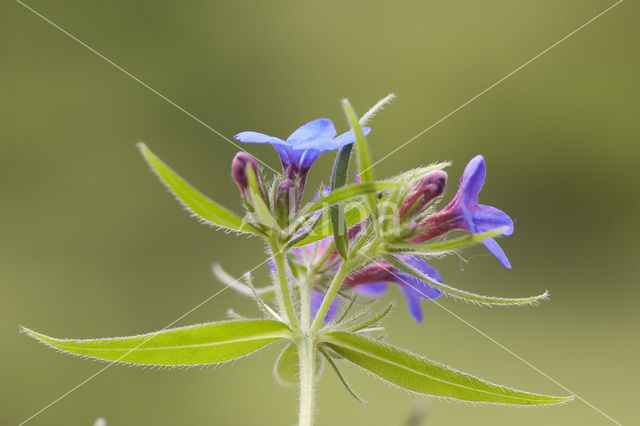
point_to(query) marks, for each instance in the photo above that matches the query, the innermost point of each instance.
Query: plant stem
(306, 358)
(328, 298)
(305, 306)
(284, 293)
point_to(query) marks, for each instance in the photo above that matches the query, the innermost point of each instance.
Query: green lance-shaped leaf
(287, 367)
(347, 192)
(322, 228)
(447, 245)
(192, 345)
(342, 379)
(195, 202)
(417, 374)
(338, 220)
(461, 294)
(364, 319)
(364, 156)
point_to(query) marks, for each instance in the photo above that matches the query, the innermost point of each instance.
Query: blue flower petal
(316, 299)
(497, 251)
(375, 289)
(304, 158)
(303, 147)
(321, 128)
(413, 302)
(421, 288)
(349, 137)
(255, 137)
(421, 266)
(472, 179)
(486, 218)
(415, 289)
(282, 147)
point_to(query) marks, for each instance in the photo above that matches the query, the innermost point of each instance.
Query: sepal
(365, 167)
(461, 294)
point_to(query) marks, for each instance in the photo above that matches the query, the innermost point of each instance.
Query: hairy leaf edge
(35, 335)
(327, 340)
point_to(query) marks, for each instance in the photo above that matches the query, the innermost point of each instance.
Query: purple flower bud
(239, 171)
(374, 272)
(285, 196)
(430, 186)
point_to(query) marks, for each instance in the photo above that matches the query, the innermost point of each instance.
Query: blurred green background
(91, 245)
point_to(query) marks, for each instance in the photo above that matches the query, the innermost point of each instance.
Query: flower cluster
(413, 211)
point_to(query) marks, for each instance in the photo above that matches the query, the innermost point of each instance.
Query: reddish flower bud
(239, 171)
(430, 186)
(374, 272)
(285, 195)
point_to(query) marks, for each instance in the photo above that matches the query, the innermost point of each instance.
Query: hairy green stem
(306, 358)
(328, 298)
(284, 293)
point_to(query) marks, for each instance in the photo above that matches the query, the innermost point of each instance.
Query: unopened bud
(285, 196)
(372, 273)
(429, 187)
(239, 171)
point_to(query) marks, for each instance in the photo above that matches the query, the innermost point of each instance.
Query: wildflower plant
(329, 259)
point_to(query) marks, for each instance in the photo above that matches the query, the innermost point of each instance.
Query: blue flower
(464, 212)
(305, 145)
(372, 281)
(316, 299)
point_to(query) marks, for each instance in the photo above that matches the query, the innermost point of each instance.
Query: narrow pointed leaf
(342, 379)
(339, 226)
(364, 156)
(461, 294)
(347, 192)
(307, 230)
(338, 220)
(346, 311)
(452, 244)
(417, 374)
(287, 367)
(200, 206)
(354, 214)
(341, 167)
(192, 345)
(364, 319)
